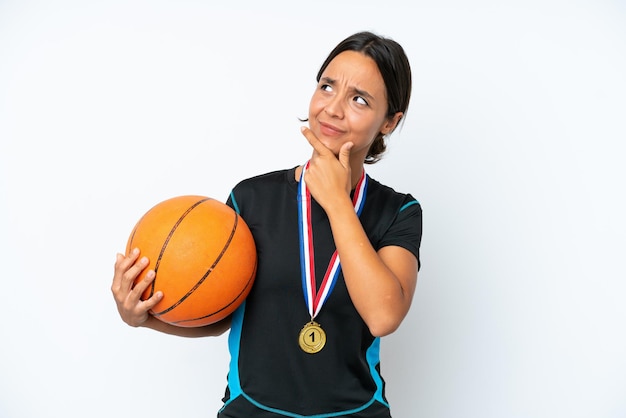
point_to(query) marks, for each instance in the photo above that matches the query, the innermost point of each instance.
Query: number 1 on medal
(312, 338)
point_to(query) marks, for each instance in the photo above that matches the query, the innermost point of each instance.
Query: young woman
(338, 254)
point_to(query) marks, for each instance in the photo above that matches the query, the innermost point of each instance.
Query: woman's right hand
(134, 311)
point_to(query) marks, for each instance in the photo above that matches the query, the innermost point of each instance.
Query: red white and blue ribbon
(313, 297)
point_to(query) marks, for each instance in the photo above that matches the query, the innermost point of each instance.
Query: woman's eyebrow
(363, 93)
(332, 82)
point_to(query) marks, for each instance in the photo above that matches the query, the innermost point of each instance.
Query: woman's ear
(391, 123)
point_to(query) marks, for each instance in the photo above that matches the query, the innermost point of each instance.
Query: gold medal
(312, 338)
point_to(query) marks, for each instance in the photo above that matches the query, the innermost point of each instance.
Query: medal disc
(312, 338)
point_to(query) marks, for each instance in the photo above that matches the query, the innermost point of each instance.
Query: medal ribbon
(315, 299)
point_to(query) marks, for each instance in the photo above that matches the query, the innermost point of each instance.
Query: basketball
(203, 255)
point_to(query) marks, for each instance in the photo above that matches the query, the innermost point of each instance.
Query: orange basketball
(203, 255)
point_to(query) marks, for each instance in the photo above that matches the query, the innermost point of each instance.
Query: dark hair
(394, 67)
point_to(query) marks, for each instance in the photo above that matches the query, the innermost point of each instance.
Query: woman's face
(350, 104)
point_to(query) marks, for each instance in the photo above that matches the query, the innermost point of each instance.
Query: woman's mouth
(330, 130)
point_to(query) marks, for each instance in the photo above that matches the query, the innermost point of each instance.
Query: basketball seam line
(248, 283)
(167, 240)
(203, 278)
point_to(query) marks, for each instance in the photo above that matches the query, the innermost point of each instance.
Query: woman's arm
(212, 330)
(381, 284)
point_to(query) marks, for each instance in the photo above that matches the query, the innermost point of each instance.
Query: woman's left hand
(328, 176)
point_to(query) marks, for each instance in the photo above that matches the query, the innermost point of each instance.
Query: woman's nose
(334, 107)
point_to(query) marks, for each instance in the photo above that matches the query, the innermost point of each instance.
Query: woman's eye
(360, 100)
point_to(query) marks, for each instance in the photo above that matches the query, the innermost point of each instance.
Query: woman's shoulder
(388, 196)
(258, 193)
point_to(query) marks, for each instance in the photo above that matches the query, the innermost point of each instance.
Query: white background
(514, 145)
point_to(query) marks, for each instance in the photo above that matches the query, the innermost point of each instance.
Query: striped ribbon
(313, 297)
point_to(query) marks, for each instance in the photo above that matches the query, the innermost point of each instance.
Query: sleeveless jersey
(269, 375)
